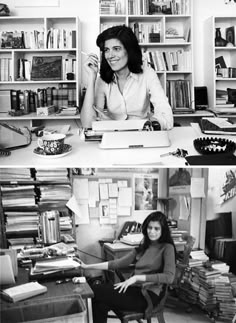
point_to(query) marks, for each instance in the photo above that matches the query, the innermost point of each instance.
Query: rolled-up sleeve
(162, 109)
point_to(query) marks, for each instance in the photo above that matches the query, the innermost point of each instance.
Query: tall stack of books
(224, 295)
(205, 278)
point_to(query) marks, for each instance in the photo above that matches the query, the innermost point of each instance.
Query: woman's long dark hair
(165, 231)
(126, 36)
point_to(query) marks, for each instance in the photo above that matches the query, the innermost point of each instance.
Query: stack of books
(224, 295)
(18, 195)
(15, 174)
(55, 175)
(22, 221)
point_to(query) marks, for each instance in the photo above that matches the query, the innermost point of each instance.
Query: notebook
(135, 139)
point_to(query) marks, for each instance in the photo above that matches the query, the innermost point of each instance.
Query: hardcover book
(24, 291)
(47, 68)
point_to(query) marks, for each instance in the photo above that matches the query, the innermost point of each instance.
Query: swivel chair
(151, 311)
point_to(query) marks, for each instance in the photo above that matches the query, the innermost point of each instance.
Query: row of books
(223, 247)
(33, 39)
(112, 7)
(146, 32)
(152, 7)
(178, 60)
(56, 38)
(5, 69)
(28, 101)
(59, 38)
(179, 95)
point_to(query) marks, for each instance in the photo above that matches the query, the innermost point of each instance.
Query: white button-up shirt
(139, 90)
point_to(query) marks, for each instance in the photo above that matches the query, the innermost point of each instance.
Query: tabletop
(89, 154)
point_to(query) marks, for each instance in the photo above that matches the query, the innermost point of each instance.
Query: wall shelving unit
(163, 28)
(58, 203)
(43, 36)
(219, 76)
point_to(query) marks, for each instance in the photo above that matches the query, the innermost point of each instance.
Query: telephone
(12, 137)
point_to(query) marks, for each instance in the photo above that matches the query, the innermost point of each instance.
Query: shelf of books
(26, 196)
(164, 32)
(223, 66)
(40, 67)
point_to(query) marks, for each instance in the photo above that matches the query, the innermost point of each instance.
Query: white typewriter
(128, 134)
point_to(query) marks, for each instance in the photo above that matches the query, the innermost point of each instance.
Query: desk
(55, 291)
(88, 154)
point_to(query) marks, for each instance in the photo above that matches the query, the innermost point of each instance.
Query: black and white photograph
(132, 217)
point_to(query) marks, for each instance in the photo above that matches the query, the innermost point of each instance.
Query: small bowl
(211, 145)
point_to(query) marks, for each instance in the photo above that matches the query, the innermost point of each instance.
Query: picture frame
(230, 34)
(179, 181)
(146, 192)
(46, 68)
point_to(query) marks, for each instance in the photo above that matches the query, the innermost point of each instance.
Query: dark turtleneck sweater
(157, 264)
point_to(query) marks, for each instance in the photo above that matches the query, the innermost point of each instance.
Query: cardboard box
(62, 310)
(45, 111)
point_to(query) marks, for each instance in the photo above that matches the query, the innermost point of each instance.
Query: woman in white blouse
(125, 89)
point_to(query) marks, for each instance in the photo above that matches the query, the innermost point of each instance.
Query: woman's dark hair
(165, 231)
(126, 36)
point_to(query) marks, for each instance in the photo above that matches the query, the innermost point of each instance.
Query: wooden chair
(181, 266)
(151, 311)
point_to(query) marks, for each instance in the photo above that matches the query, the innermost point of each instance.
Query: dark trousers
(106, 298)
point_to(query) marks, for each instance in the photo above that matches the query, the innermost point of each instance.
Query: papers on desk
(132, 239)
(24, 291)
(50, 265)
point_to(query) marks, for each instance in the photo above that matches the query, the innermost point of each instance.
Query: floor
(179, 316)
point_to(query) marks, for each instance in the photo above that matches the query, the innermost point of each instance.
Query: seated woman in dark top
(154, 261)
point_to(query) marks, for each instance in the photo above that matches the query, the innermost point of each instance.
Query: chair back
(182, 263)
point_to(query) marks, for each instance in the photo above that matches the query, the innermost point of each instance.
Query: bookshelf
(40, 65)
(23, 203)
(164, 31)
(221, 73)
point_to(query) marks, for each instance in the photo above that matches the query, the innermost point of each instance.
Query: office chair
(151, 311)
(181, 266)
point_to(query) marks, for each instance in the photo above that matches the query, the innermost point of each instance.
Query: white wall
(88, 10)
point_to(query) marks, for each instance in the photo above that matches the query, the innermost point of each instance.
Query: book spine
(14, 100)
